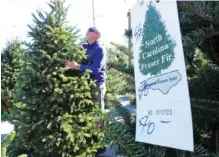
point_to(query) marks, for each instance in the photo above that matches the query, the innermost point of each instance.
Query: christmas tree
(11, 63)
(54, 113)
(157, 47)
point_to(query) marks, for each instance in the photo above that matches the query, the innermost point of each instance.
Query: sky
(111, 17)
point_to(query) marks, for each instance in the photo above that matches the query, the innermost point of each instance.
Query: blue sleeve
(96, 64)
(84, 46)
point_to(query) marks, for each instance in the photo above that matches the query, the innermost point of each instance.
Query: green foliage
(118, 59)
(11, 63)
(123, 115)
(113, 90)
(17, 147)
(4, 116)
(200, 28)
(119, 133)
(208, 77)
(123, 53)
(207, 10)
(200, 31)
(199, 152)
(197, 35)
(5, 143)
(123, 139)
(55, 111)
(125, 68)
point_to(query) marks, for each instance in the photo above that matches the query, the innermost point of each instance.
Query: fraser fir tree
(11, 63)
(157, 47)
(55, 111)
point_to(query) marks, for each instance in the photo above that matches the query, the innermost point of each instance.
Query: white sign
(163, 103)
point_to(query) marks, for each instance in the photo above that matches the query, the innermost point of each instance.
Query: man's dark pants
(99, 91)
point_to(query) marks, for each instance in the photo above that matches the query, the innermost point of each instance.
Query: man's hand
(98, 124)
(72, 64)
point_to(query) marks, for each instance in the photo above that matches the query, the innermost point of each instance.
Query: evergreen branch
(215, 155)
(198, 35)
(204, 84)
(114, 88)
(213, 34)
(120, 142)
(201, 9)
(123, 49)
(5, 143)
(204, 108)
(203, 101)
(122, 112)
(124, 140)
(214, 52)
(216, 10)
(17, 148)
(199, 151)
(127, 69)
(189, 53)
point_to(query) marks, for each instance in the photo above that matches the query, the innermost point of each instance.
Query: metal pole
(93, 12)
(129, 28)
(129, 38)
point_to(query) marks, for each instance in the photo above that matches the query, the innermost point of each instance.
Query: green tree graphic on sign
(157, 47)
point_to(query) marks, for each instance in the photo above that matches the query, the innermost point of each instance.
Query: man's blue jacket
(95, 61)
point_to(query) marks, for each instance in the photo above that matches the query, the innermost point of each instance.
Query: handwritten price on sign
(149, 125)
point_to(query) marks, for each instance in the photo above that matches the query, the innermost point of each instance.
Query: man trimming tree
(95, 62)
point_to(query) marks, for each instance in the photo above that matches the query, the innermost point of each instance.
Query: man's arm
(95, 66)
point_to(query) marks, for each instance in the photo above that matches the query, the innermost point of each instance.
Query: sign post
(163, 102)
